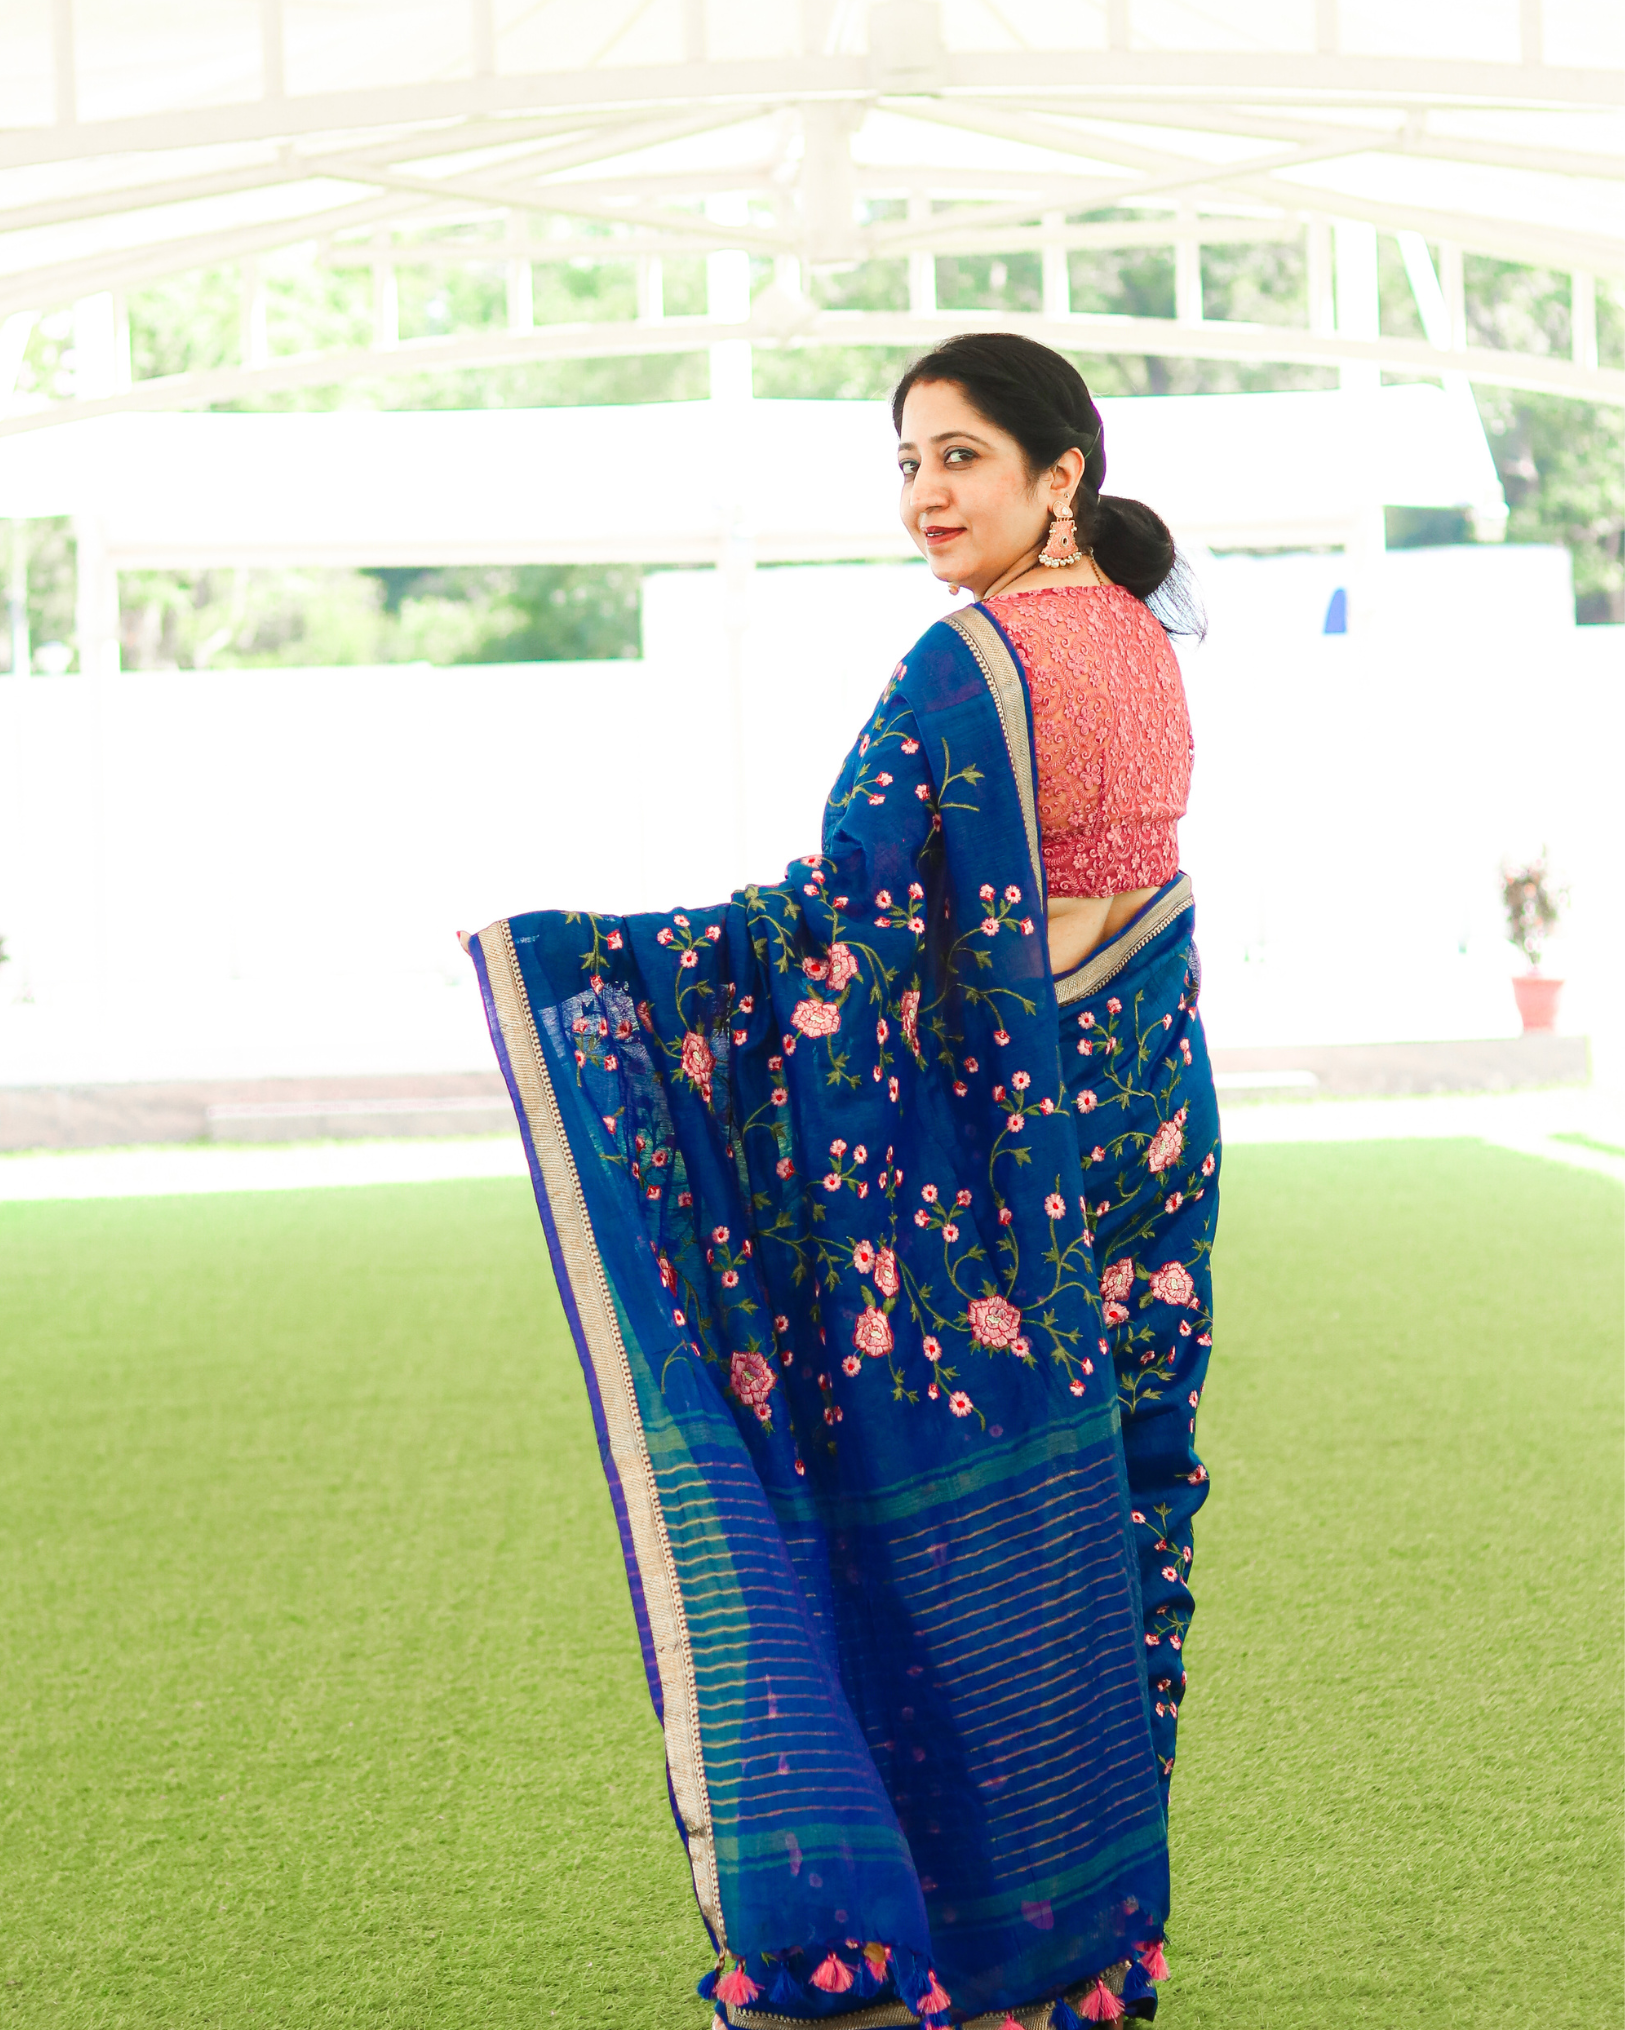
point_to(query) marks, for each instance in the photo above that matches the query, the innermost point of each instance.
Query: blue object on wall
(1337, 613)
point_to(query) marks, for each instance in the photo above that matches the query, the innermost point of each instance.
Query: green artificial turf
(320, 1702)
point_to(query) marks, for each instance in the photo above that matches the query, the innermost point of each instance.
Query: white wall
(240, 873)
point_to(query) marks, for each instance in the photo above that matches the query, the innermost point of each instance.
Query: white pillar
(922, 263)
(254, 342)
(1356, 245)
(1057, 274)
(17, 597)
(727, 287)
(1322, 289)
(1453, 285)
(651, 276)
(521, 275)
(386, 298)
(95, 605)
(1583, 319)
(727, 297)
(1187, 272)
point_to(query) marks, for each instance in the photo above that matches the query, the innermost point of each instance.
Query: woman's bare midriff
(1078, 923)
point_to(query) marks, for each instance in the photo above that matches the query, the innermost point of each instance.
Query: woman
(881, 1202)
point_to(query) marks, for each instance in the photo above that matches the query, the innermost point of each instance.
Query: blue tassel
(706, 1986)
(1137, 1983)
(1064, 2017)
(867, 1982)
(911, 1974)
(786, 1991)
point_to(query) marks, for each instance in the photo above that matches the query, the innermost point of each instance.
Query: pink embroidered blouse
(1112, 732)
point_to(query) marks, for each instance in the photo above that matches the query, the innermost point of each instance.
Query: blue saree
(826, 1172)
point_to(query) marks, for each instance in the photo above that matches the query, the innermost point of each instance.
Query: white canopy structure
(164, 136)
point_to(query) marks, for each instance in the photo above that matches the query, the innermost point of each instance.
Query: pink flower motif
(950, 1232)
(1001, 1036)
(663, 935)
(911, 747)
(1086, 1020)
(615, 941)
(753, 1380)
(698, 1062)
(961, 1197)
(986, 891)
(1055, 1206)
(1027, 926)
(1167, 1022)
(851, 1365)
(929, 1193)
(781, 1323)
(863, 1257)
(689, 959)
(910, 1016)
(815, 968)
(1097, 1154)
(1116, 1313)
(1085, 1047)
(933, 1391)
(677, 1317)
(886, 1277)
(1114, 1007)
(990, 926)
(1208, 1166)
(1013, 1123)
(1118, 1281)
(713, 931)
(883, 779)
(922, 1218)
(779, 1096)
(1020, 1081)
(832, 1182)
(739, 1036)
(931, 1347)
(892, 1088)
(719, 1234)
(971, 1066)
(917, 925)
(923, 791)
(1172, 1284)
(816, 1018)
(960, 1403)
(730, 1279)
(785, 1167)
(1077, 1386)
(775, 1064)
(668, 1275)
(883, 899)
(1166, 1145)
(994, 1321)
(871, 1332)
(860, 1154)
(1173, 1201)
(842, 965)
(1087, 1102)
(960, 1088)
(1005, 1215)
(1012, 894)
(837, 1147)
(683, 920)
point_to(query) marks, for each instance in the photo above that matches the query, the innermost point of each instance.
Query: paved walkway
(1577, 1127)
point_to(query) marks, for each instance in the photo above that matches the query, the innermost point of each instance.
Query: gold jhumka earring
(1062, 546)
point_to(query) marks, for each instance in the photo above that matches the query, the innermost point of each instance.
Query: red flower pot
(1537, 1000)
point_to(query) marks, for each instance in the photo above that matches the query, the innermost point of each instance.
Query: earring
(1062, 547)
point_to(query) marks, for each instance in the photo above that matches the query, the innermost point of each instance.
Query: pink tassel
(934, 2000)
(1009, 2022)
(737, 1987)
(877, 1955)
(834, 1976)
(1151, 1959)
(1100, 2005)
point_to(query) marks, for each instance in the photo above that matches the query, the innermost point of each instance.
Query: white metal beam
(1545, 373)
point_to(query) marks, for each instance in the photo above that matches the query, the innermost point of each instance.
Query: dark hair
(1039, 398)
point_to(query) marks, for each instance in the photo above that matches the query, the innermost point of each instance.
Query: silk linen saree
(823, 1198)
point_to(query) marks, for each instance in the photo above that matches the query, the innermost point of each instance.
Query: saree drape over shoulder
(810, 1167)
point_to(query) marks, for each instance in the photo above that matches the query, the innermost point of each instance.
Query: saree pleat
(810, 1171)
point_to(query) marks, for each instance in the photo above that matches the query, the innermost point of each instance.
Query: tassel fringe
(1151, 1958)
(833, 1975)
(1100, 2005)
(737, 1988)
(1064, 2017)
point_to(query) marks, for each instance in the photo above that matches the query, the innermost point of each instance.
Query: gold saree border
(1110, 960)
(1004, 679)
(898, 2016)
(628, 1445)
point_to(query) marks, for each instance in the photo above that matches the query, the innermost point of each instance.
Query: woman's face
(967, 500)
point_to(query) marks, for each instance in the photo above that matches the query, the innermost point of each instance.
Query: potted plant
(1532, 912)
